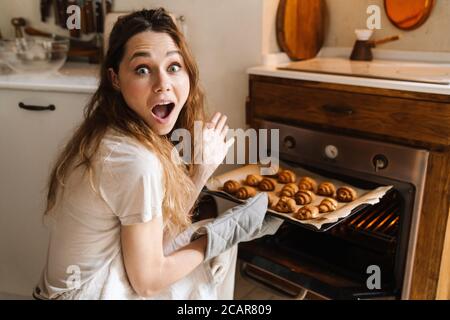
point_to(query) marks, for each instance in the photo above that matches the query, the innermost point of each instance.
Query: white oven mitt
(242, 223)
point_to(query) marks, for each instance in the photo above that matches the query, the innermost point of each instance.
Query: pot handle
(374, 43)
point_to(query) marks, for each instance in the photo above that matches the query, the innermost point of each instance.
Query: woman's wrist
(200, 177)
(200, 245)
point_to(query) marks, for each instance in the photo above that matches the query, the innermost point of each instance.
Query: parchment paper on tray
(369, 197)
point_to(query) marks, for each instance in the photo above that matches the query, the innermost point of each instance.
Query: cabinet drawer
(412, 120)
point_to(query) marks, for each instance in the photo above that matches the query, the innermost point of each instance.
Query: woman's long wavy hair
(108, 109)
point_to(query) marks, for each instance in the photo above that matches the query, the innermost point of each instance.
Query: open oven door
(288, 272)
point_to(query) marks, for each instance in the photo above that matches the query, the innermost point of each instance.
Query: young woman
(116, 196)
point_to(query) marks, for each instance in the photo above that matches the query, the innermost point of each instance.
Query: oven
(368, 255)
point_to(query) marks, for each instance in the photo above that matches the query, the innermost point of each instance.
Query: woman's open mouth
(163, 111)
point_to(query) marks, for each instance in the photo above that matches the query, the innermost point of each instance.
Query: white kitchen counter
(272, 71)
(72, 77)
(275, 61)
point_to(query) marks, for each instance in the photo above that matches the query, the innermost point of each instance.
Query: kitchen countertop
(73, 77)
(337, 70)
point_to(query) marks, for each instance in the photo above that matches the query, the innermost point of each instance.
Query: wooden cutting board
(300, 27)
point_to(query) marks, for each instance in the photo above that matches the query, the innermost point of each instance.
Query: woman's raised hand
(214, 147)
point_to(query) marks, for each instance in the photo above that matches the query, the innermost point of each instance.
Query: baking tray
(366, 197)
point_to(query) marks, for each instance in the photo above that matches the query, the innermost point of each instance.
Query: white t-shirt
(85, 250)
(85, 224)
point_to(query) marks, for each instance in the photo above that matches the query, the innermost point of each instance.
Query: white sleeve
(131, 184)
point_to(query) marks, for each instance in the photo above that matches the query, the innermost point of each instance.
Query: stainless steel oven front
(338, 264)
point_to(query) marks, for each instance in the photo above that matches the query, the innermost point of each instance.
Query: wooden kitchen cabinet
(424, 120)
(29, 143)
(418, 119)
(400, 117)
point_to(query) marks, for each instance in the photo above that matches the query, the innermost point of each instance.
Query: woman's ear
(114, 78)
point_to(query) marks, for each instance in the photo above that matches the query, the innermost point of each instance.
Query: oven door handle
(338, 110)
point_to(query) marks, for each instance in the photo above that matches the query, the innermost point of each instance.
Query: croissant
(285, 205)
(307, 183)
(326, 189)
(231, 186)
(253, 180)
(245, 192)
(273, 199)
(304, 197)
(289, 190)
(286, 176)
(267, 184)
(328, 205)
(346, 194)
(307, 212)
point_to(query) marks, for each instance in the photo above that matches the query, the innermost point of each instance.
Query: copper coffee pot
(362, 50)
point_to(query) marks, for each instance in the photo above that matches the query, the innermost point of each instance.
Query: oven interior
(334, 264)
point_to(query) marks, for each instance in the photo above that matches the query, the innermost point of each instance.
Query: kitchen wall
(347, 15)
(344, 16)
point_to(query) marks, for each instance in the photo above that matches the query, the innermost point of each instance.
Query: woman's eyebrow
(147, 54)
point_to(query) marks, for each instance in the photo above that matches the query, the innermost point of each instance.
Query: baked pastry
(273, 199)
(346, 194)
(253, 180)
(289, 190)
(328, 205)
(307, 183)
(245, 192)
(304, 197)
(307, 212)
(267, 184)
(286, 176)
(285, 205)
(326, 189)
(231, 186)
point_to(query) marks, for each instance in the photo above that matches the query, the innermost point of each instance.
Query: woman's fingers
(224, 131)
(221, 123)
(213, 122)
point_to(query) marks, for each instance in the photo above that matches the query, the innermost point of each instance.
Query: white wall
(269, 36)
(344, 16)
(347, 15)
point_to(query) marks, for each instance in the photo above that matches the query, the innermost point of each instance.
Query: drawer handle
(339, 110)
(50, 107)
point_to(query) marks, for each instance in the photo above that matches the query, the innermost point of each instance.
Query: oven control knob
(380, 162)
(289, 142)
(331, 151)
